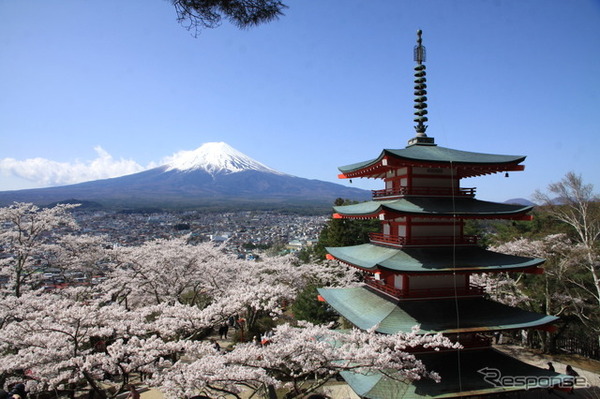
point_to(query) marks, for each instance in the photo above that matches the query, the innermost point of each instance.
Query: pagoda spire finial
(420, 95)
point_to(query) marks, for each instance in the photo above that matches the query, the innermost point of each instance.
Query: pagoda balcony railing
(423, 191)
(420, 293)
(399, 241)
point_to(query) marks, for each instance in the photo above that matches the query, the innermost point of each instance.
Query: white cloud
(44, 172)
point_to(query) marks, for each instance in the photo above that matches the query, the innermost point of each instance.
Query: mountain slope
(212, 176)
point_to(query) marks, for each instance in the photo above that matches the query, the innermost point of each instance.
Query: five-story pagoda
(418, 269)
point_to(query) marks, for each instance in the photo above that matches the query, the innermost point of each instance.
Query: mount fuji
(215, 158)
(214, 176)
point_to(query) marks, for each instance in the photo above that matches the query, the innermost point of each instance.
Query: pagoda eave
(467, 164)
(379, 171)
(424, 260)
(523, 216)
(441, 207)
(367, 309)
(367, 269)
(483, 170)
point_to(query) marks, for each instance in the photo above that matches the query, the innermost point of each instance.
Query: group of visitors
(570, 371)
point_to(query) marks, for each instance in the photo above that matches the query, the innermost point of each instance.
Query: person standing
(133, 392)
(574, 374)
(223, 330)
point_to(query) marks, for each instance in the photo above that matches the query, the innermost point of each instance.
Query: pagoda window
(394, 228)
(387, 229)
(400, 229)
(400, 281)
(393, 185)
(401, 172)
(397, 183)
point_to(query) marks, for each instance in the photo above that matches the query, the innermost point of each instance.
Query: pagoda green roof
(462, 374)
(430, 260)
(428, 206)
(427, 154)
(366, 309)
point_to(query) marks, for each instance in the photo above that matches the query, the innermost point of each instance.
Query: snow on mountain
(214, 176)
(215, 158)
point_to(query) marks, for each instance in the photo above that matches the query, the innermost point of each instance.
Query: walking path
(590, 369)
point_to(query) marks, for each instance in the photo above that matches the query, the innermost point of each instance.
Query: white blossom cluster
(504, 287)
(563, 266)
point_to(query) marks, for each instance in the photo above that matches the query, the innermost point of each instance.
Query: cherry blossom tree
(69, 340)
(50, 341)
(554, 248)
(578, 206)
(574, 203)
(174, 271)
(26, 230)
(551, 293)
(161, 271)
(265, 288)
(58, 341)
(299, 360)
(501, 287)
(150, 313)
(79, 258)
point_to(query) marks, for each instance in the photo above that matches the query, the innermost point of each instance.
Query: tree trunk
(99, 393)
(551, 342)
(271, 393)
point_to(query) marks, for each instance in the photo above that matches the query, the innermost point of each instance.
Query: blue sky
(96, 88)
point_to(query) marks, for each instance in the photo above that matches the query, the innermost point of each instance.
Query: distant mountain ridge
(520, 201)
(214, 175)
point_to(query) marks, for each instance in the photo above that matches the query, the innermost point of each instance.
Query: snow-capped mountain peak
(215, 158)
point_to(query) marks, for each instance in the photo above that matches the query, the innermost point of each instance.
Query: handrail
(471, 290)
(395, 240)
(424, 191)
